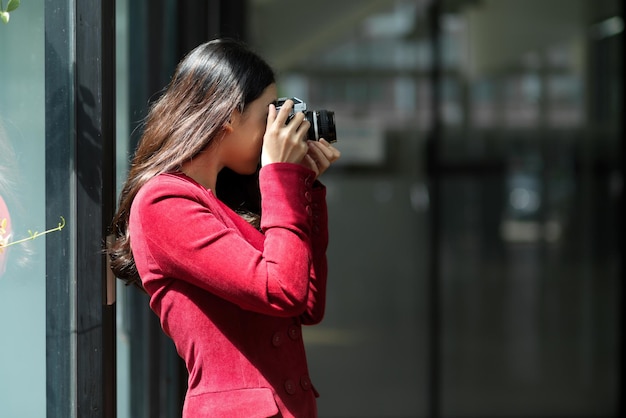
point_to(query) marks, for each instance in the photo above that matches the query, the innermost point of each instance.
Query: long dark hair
(211, 82)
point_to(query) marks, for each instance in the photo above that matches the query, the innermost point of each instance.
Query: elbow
(311, 318)
(288, 305)
(314, 314)
(288, 290)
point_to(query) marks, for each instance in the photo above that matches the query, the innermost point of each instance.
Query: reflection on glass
(22, 142)
(529, 257)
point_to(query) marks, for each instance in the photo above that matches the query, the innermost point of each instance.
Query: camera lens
(322, 125)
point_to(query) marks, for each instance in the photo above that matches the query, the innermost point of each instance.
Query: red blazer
(232, 298)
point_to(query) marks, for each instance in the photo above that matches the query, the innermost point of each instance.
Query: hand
(320, 156)
(284, 142)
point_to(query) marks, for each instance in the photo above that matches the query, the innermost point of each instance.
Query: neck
(203, 169)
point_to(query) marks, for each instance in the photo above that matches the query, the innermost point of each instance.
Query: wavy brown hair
(211, 82)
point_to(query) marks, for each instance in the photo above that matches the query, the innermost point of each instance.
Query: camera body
(322, 121)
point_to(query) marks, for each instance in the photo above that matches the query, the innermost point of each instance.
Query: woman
(232, 297)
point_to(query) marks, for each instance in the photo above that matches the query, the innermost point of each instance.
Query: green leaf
(4, 16)
(12, 5)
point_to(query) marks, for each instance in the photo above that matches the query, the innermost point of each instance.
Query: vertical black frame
(80, 185)
(621, 407)
(433, 181)
(58, 114)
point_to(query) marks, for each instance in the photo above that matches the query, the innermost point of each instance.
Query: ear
(229, 126)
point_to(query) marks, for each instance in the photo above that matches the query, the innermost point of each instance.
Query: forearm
(316, 303)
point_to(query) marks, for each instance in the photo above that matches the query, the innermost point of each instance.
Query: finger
(303, 127)
(315, 151)
(321, 160)
(284, 112)
(334, 153)
(271, 114)
(331, 153)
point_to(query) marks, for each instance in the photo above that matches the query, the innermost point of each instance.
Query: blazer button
(307, 196)
(277, 339)
(294, 332)
(305, 382)
(290, 387)
(309, 211)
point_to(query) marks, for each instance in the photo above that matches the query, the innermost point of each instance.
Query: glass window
(22, 190)
(55, 316)
(474, 256)
(369, 357)
(529, 255)
(514, 223)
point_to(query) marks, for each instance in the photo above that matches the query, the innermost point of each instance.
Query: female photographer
(232, 271)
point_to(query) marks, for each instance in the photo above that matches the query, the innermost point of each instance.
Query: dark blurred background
(476, 214)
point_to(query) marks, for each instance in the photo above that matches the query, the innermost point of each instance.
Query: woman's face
(241, 146)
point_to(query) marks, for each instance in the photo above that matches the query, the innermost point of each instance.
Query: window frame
(80, 183)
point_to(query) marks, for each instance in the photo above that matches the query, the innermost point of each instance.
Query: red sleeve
(5, 233)
(319, 268)
(175, 234)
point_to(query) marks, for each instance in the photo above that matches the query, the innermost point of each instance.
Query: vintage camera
(322, 121)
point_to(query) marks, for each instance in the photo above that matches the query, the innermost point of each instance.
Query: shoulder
(174, 195)
(169, 185)
(170, 195)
